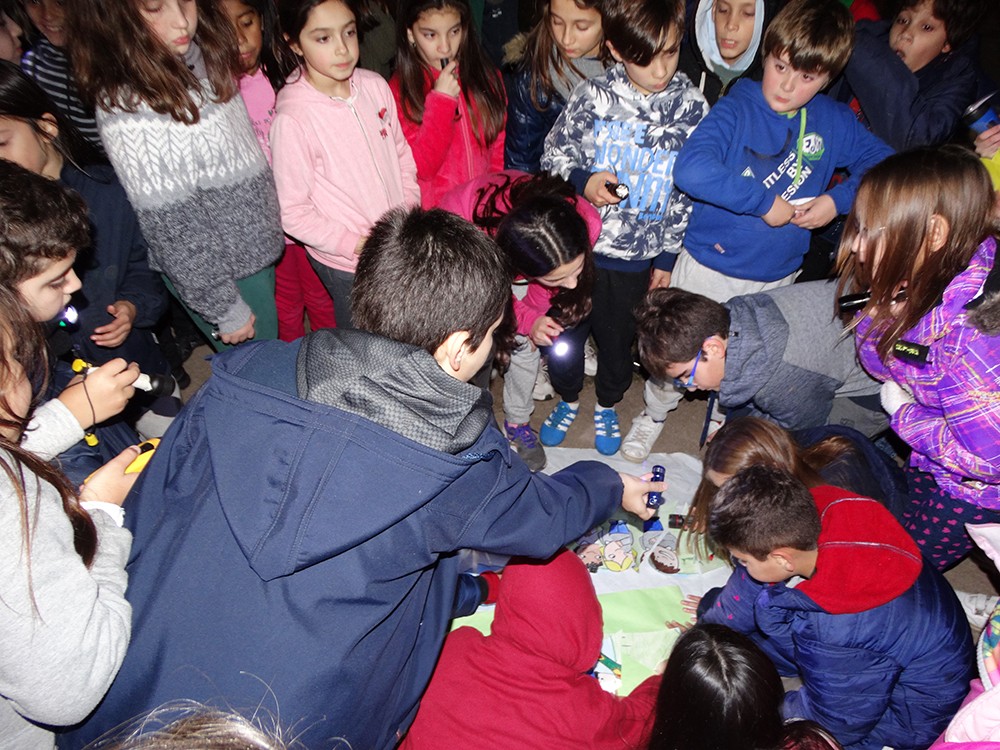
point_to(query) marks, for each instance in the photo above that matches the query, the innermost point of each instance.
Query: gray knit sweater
(204, 196)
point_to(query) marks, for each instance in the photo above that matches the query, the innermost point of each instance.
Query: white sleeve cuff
(116, 512)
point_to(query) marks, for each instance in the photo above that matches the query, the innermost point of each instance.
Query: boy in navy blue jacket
(758, 168)
(836, 592)
(295, 534)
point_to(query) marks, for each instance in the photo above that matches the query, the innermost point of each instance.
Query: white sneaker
(978, 608)
(639, 442)
(543, 389)
(589, 359)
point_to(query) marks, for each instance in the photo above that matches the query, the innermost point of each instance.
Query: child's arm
(407, 165)
(860, 150)
(568, 150)
(526, 126)
(431, 139)
(531, 309)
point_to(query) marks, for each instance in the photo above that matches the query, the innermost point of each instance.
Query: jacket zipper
(371, 153)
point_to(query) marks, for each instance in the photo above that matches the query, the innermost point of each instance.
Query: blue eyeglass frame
(690, 380)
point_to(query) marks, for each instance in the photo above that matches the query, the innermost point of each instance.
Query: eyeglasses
(689, 383)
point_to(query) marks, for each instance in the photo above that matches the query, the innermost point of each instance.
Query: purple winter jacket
(954, 426)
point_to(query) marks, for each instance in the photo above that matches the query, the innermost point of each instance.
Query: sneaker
(543, 389)
(639, 442)
(607, 436)
(525, 443)
(589, 359)
(555, 425)
(978, 609)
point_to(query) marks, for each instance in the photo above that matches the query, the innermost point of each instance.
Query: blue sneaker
(607, 436)
(555, 425)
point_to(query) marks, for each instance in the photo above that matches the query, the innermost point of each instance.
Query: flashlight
(560, 348)
(619, 189)
(68, 317)
(444, 63)
(156, 385)
(851, 303)
(655, 499)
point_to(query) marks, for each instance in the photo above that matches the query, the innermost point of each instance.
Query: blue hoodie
(742, 155)
(294, 553)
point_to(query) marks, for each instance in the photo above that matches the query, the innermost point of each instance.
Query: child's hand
(448, 83)
(816, 213)
(114, 333)
(659, 279)
(110, 483)
(780, 213)
(634, 494)
(596, 192)
(108, 389)
(544, 330)
(245, 333)
(988, 142)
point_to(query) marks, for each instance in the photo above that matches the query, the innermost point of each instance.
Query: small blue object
(655, 499)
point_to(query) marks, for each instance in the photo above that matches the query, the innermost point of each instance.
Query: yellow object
(146, 451)
(993, 167)
(90, 438)
(79, 365)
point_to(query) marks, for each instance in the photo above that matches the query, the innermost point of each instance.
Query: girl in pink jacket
(339, 156)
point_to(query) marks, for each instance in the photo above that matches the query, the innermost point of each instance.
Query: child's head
(260, 41)
(645, 36)
(916, 221)
(768, 521)
(42, 225)
(324, 35)
(48, 16)
(925, 29)
(683, 336)
(431, 279)
(719, 690)
(737, 23)
(805, 47)
(11, 32)
(573, 27)
(434, 30)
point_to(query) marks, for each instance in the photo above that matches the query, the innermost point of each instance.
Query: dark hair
(719, 690)
(24, 99)
(294, 15)
(424, 275)
(543, 56)
(896, 200)
(816, 36)
(119, 63)
(762, 508)
(808, 735)
(482, 88)
(276, 58)
(960, 17)
(672, 325)
(638, 29)
(534, 221)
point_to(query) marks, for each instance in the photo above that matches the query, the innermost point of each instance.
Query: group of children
(638, 172)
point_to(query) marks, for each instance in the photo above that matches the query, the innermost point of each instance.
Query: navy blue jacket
(526, 125)
(294, 553)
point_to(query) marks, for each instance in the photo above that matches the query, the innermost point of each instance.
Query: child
(529, 680)
(910, 79)
(267, 62)
(562, 49)
(920, 242)
(164, 80)
(64, 617)
(723, 42)
(10, 33)
(763, 145)
(267, 550)
(340, 157)
(779, 354)
(547, 232)
(875, 633)
(449, 96)
(627, 127)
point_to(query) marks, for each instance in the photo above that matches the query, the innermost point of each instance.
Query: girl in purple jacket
(919, 241)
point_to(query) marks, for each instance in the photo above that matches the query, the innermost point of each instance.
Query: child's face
(734, 23)
(918, 36)
(47, 293)
(708, 368)
(437, 35)
(246, 22)
(23, 144)
(787, 89)
(576, 30)
(10, 39)
(173, 22)
(565, 276)
(655, 77)
(770, 570)
(48, 17)
(328, 45)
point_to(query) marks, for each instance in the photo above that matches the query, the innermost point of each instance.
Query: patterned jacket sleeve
(564, 153)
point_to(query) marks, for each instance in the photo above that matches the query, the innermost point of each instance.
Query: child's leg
(288, 296)
(616, 293)
(338, 283)
(566, 375)
(257, 291)
(319, 304)
(519, 380)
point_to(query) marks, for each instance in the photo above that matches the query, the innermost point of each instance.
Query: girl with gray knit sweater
(163, 77)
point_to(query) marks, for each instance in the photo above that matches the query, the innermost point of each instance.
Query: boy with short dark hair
(758, 168)
(295, 535)
(623, 129)
(836, 592)
(779, 354)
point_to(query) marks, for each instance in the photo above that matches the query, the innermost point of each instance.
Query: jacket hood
(317, 497)
(866, 559)
(750, 360)
(984, 310)
(704, 32)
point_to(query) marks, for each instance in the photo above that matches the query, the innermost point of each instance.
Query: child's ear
(938, 230)
(783, 556)
(48, 125)
(613, 51)
(714, 347)
(452, 352)
(410, 39)
(293, 46)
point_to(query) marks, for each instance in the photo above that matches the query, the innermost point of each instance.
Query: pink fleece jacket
(339, 164)
(444, 145)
